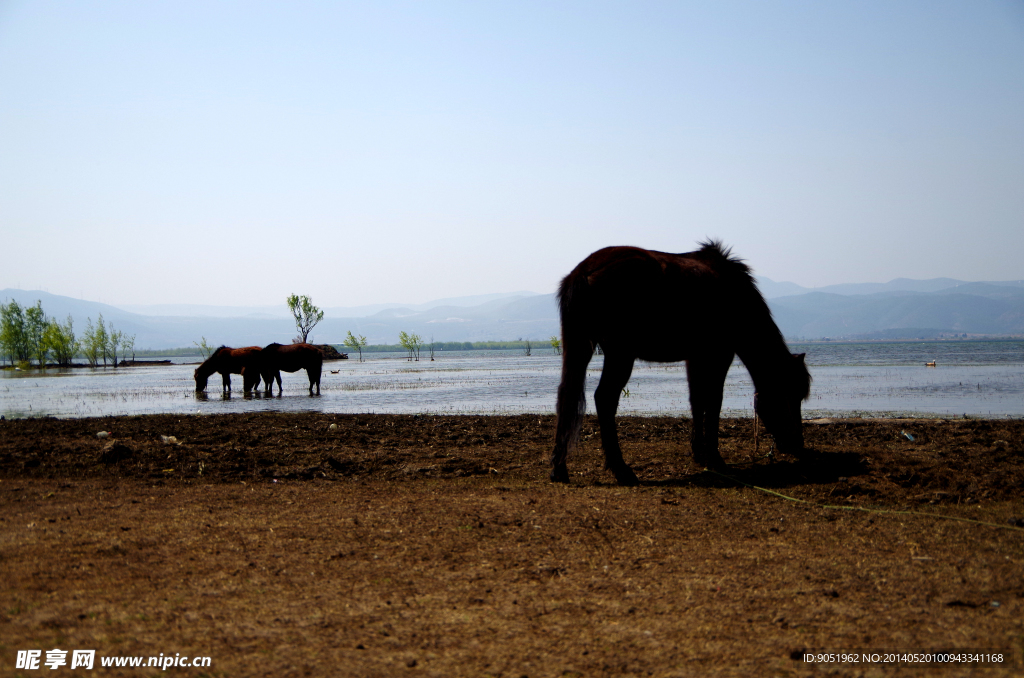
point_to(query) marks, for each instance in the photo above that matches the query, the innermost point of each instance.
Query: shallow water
(972, 378)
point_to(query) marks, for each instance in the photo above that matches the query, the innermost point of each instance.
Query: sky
(233, 153)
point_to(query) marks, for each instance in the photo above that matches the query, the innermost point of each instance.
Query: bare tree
(204, 348)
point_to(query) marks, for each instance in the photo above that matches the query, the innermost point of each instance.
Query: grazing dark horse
(290, 358)
(702, 307)
(230, 361)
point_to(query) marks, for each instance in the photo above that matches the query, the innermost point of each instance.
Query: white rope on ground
(868, 510)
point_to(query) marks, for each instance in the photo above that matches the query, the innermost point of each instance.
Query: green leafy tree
(96, 342)
(356, 343)
(88, 345)
(306, 315)
(102, 339)
(556, 344)
(60, 340)
(14, 332)
(128, 346)
(114, 339)
(411, 343)
(35, 327)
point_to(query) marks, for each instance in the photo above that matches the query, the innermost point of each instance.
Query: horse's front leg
(225, 378)
(706, 379)
(250, 381)
(614, 378)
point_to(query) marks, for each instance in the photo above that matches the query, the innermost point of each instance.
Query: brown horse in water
(290, 358)
(702, 307)
(230, 361)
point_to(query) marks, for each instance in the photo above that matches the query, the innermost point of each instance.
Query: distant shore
(922, 340)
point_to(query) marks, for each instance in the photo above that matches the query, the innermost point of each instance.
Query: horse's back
(625, 264)
(654, 305)
(234, 360)
(292, 357)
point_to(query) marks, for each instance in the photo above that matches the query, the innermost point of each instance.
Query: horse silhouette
(228, 361)
(702, 307)
(276, 358)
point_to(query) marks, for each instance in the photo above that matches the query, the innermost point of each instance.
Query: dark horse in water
(291, 358)
(230, 361)
(702, 307)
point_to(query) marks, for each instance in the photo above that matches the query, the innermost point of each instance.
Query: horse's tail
(577, 350)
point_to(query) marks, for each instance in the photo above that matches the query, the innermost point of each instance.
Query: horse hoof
(712, 464)
(625, 476)
(559, 475)
(808, 455)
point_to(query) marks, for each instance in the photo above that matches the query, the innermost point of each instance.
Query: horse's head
(778, 404)
(200, 380)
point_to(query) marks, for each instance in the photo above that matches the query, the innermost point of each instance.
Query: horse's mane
(215, 352)
(209, 366)
(733, 269)
(727, 262)
(736, 270)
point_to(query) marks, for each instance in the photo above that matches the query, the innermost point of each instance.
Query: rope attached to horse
(868, 510)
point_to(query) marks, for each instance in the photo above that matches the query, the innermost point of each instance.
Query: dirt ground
(426, 545)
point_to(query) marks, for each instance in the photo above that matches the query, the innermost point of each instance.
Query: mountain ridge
(773, 290)
(901, 308)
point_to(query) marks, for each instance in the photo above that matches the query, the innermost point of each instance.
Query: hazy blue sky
(232, 153)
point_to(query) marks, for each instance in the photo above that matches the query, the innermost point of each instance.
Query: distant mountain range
(899, 309)
(474, 318)
(281, 311)
(772, 290)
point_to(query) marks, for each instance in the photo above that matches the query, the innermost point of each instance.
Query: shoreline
(816, 420)
(257, 445)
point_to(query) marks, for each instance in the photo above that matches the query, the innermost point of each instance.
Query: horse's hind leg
(314, 379)
(268, 381)
(614, 378)
(706, 380)
(572, 404)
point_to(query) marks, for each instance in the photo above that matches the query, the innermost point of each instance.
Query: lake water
(983, 379)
